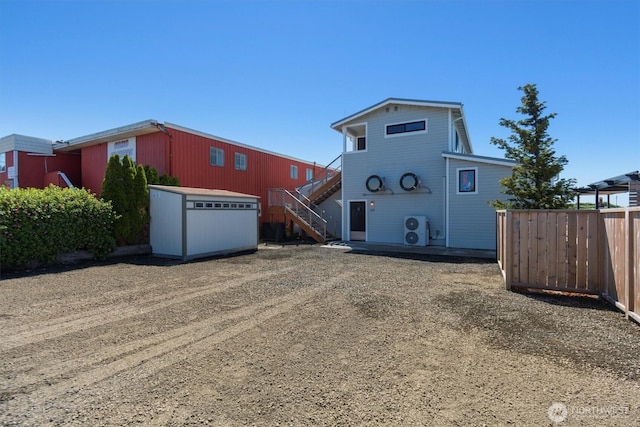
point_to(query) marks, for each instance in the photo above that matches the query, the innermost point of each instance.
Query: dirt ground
(306, 335)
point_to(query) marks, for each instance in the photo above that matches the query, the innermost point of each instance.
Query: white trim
(366, 219)
(218, 151)
(243, 166)
(291, 169)
(353, 140)
(415, 132)
(447, 198)
(399, 101)
(479, 159)
(16, 184)
(450, 129)
(475, 179)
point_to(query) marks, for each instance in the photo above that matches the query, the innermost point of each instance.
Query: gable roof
(459, 120)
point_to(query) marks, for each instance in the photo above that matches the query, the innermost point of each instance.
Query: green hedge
(37, 225)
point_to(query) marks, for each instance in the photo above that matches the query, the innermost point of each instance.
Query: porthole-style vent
(409, 181)
(374, 184)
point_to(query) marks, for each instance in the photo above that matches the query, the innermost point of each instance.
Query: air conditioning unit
(416, 231)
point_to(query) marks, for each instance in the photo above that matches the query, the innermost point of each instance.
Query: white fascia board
(479, 159)
(25, 143)
(236, 143)
(438, 104)
(466, 130)
(135, 129)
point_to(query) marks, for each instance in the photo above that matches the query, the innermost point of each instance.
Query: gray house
(409, 176)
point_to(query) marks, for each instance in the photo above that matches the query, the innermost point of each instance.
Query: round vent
(374, 183)
(411, 238)
(409, 181)
(411, 224)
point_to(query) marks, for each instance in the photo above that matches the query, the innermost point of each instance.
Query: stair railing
(279, 197)
(326, 174)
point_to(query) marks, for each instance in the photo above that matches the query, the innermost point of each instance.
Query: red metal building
(198, 159)
(31, 162)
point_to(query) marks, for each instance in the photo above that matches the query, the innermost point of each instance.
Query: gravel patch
(305, 335)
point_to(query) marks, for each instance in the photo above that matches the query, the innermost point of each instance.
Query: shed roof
(193, 191)
(455, 107)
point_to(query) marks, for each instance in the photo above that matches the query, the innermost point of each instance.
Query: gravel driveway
(306, 335)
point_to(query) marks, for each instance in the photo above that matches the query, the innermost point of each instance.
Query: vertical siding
(472, 221)
(390, 158)
(94, 164)
(31, 170)
(150, 150)
(264, 170)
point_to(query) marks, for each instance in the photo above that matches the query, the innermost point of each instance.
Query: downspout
(16, 184)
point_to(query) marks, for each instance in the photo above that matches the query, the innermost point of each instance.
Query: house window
(309, 174)
(467, 181)
(400, 128)
(241, 162)
(3, 162)
(294, 172)
(216, 157)
(361, 143)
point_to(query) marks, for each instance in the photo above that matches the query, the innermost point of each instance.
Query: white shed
(190, 223)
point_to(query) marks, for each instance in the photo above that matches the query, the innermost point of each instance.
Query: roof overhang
(616, 185)
(457, 113)
(479, 159)
(135, 129)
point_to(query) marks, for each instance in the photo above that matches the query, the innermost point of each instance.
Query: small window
(209, 205)
(467, 181)
(294, 172)
(3, 162)
(216, 157)
(309, 175)
(241, 162)
(399, 128)
(225, 205)
(234, 205)
(199, 205)
(217, 205)
(361, 143)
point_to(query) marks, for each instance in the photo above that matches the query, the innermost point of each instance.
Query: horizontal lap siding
(471, 218)
(390, 158)
(94, 165)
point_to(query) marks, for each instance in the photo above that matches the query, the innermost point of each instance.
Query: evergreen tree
(151, 174)
(114, 190)
(534, 183)
(141, 199)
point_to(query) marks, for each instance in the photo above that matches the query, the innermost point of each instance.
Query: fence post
(508, 249)
(628, 260)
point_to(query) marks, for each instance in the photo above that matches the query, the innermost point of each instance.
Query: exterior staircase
(299, 207)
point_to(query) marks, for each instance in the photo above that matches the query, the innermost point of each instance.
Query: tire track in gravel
(53, 328)
(165, 349)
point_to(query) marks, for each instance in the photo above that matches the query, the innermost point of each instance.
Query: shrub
(37, 225)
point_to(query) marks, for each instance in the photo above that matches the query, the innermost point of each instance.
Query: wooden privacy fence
(585, 251)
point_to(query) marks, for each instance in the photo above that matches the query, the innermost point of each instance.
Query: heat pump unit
(416, 231)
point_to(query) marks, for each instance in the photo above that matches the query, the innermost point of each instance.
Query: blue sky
(276, 74)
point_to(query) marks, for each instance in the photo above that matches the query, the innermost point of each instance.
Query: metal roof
(617, 184)
(193, 191)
